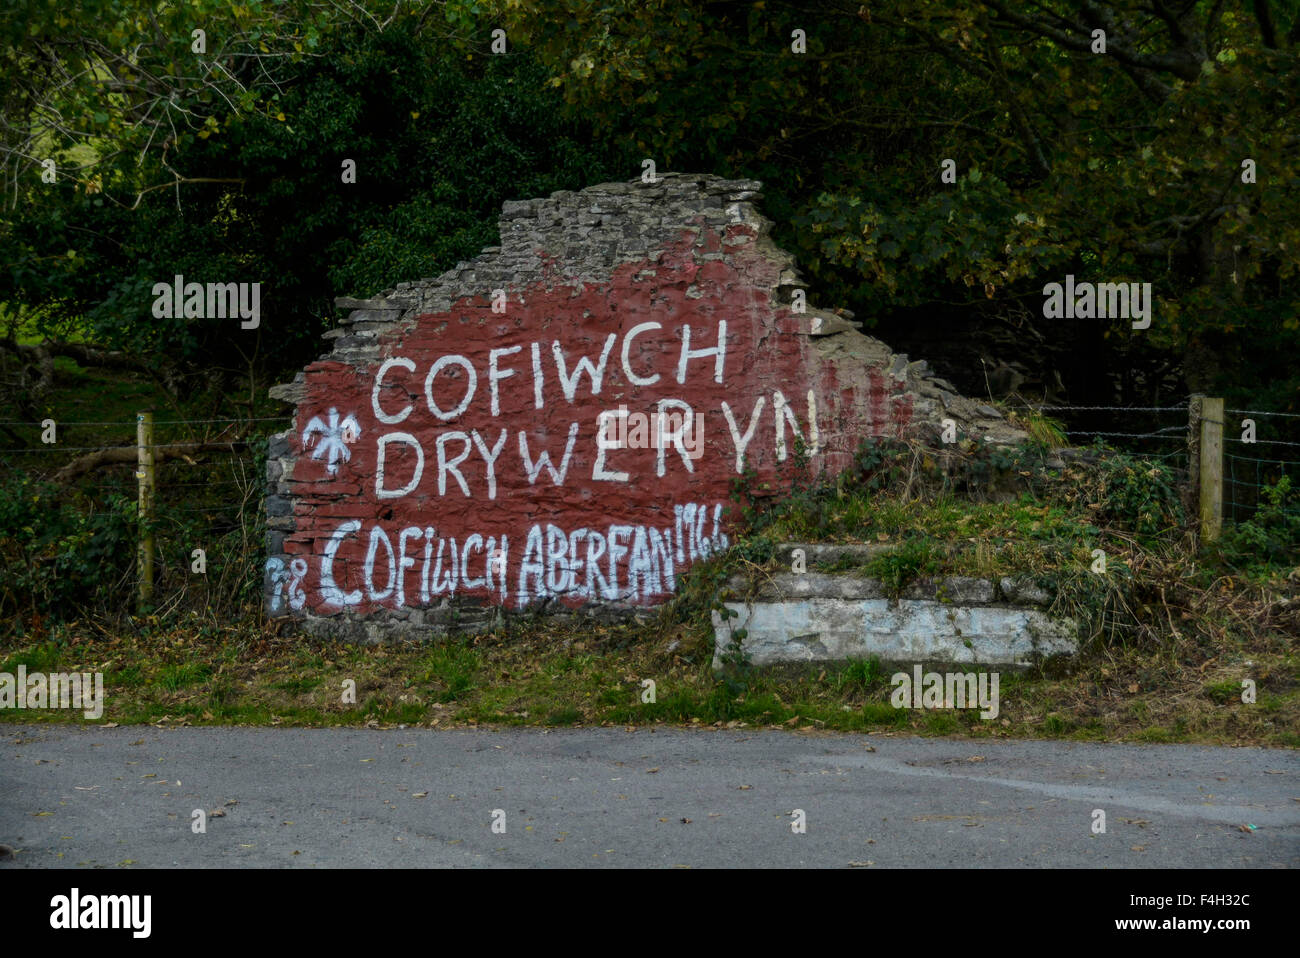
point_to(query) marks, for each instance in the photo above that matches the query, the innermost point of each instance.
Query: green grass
(1055, 725)
(1224, 692)
(299, 684)
(173, 678)
(539, 676)
(43, 657)
(864, 516)
(452, 669)
(911, 560)
(860, 675)
(1156, 735)
(566, 715)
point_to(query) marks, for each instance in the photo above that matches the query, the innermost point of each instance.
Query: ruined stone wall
(486, 441)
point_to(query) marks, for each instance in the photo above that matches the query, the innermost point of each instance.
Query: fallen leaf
(865, 864)
(420, 795)
(651, 771)
(138, 741)
(217, 813)
(975, 758)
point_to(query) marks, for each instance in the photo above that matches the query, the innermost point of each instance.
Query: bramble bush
(1271, 537)
(57, 558)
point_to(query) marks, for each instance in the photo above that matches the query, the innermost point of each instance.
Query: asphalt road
(124, 797)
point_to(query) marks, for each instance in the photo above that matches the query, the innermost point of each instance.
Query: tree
(242, 179)
(1125, 164)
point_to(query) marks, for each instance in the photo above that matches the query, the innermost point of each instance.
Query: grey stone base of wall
(458, 618)
(813, 617)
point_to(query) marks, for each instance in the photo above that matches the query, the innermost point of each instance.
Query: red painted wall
(594, 535)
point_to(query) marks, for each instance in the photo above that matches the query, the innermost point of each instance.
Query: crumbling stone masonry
(557, 424)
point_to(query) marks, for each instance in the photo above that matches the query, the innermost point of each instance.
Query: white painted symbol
(289, 581)
(335, 438)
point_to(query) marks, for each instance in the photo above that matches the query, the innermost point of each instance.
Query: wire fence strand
(131, 422)
(1264, 412)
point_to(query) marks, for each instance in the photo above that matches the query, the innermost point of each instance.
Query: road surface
(94, 797)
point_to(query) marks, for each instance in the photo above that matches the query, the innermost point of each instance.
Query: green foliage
(42, 657)
(1047, 432)
(1138, 495)
(439, 141)
(1271, 537)
(565, 715)
(1224, 693)
(883, 470)
(908, 562)
(455, 667)
(1124, 167)
(69, 551)
(55, 558)
(173, 678)
(860, 675)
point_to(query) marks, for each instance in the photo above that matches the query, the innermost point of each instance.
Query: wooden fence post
(1192, 482)
(1211, 468)
(145, 478)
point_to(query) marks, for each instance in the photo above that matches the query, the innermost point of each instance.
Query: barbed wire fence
(81, 493)
(209, 482)
(1172, 434)
(1154, 443)
(1243, 494)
